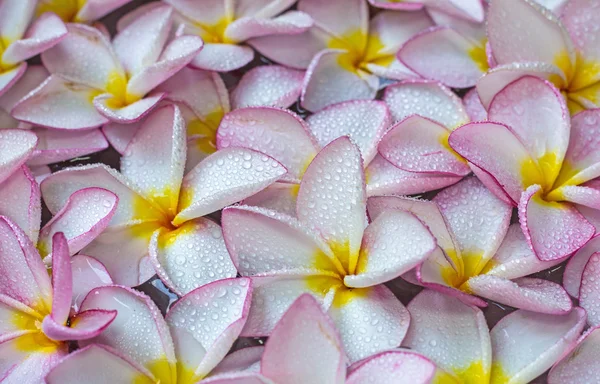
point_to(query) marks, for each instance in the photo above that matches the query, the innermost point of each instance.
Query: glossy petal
(88, 273)
(402, 367)
(578, 366)
(11, 77)
(32, 368)
(62, 280)
(294, 51)
(244, 28)
(305, 337)
(338, 17)
(96, 9)
(20, 201)
(60, 145)
(393, 29)
(222, 57)
(582, 162)
(120, 135)
(280, 197)
(589, 293)
(33, 76)
(270, 85)
(83, 326)
(130, 113)
(16, 146)
(473, 106)
(576, 265)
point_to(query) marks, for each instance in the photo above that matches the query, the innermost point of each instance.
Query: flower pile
(299, 191)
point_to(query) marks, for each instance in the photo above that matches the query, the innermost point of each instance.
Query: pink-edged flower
(203, 100)
(478, 254)
(79, 11)
(527, 39)
(143, 347)
(453, 52)
(287, 138)
(344, 51)
(519, 348)
(578, 365)
(471, 10)
(94, 81)
(534, 156)
(330, 251)
(36, 310)
(226, 26)
(24, 38)
(160, 209)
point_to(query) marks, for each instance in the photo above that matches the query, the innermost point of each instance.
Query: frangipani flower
(36, 310)
(79, 11)
(579, 364)
(226, 25)
(519, 348)
(541, 161)
(453, 52)
(527, 39)
(345, 52)
(284, 136)
(331, 252)
(475, 254)
(23, 39)
(471, 10)
(160, 210)
(95, 81)
(141, 346)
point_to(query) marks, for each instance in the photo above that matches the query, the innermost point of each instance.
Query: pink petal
(270, 85)
(128, 114)
(497, 150)
(525, 344)
(45, 32)
(383, 178)
(332, 198)
(244, 28)
(473, 106)
(222, 57)
(11, 309)
(289, 355)
(62, 281)
(471, 10)
(120, 135)
(401, 367)
(223, 178)
(364, 121)
(515, 258)
(294, 51)
(15, 18)
(85, 215)
(32, 77)
(238, 378)
(524, 31)
(467, 28)
(589, 292)
(16, 146)
(338, 17)
(427, 99)
(394, 29)
(328, 82)
(392, 244)
(159, 144)
(20, 201)
(207, 13)
(452, 334)
(97, 364)
(96, 9)
(583, 195)
(406, 5)
(262, 241)
(84, 56)
(148, 343)
(365, 313)
(544, 224)
(576, 265)
(417, 144)
(58, 145)
(261, 8)
(24, 276)
(176, 55)
(206, 322)
(242, 360)
(11, 77)
(88, 273)
(275, 132)
(184, 271)
(579, 364)
(85, 325)
(32, 367)
(454, 63)
(280, 197)
(57, 103)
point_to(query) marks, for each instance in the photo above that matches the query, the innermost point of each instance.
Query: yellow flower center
(361, 49)
(67, 10)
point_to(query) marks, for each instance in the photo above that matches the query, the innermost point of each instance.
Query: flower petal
(525, 344)
(88, 273)
(407, 5)
(60, 145)
(294, 51)
(303, 329)
(452, 334)
(243, 360)
(338, 17)
(120, 135)
(62, 280)
(553, 230)
(31, 79)
(129, 113)
(473, 106)
(222, 57)
(61, 104)
(401, 367)
(364, 121)
(589, 292)
(206, 322)
(85, 215)
(183, 271)
(20, 201)
(576, 265)
(427, 99)
(270, 85)
(223, 178)
(275, 132)
(332, 199)
(84, 325)
(15, 17)
(280, 197)
(579, 364)
(149, 343)
(456, 62)
(328, 82)
(31, 367)
(261, 8)
(366, 312)
(16, 146)
(97, 364)
(244, 28)
(417, 144)
(392, 30)
(24, 275)
(11, 77)
(392, 244)
(96, 9)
